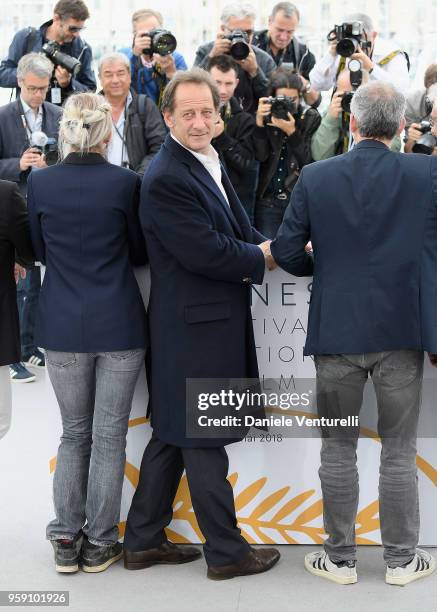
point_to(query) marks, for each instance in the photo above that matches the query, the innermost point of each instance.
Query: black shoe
(67, 554)
(98, 558)
(257, 561)
(167, 554)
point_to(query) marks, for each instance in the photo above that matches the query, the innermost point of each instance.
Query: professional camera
(239, 44)
(356, 78)
(46, 145)
(349, 36)
(163, 42)
(59, 58)
(427, 142)
(281, 106)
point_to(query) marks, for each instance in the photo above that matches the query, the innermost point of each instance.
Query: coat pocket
(202, 313)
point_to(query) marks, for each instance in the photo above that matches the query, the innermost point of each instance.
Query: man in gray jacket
(255, 69)
(138, 129)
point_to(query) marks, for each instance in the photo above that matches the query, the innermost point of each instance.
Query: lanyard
(25, 123)
(122, 135)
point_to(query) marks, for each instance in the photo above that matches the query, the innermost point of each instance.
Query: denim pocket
(122, 355)
(60, 359)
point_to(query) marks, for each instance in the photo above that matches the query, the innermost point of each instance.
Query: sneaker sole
(94, 569)
(67, 569)
(329, 576)
(403, 580)
(22, 381)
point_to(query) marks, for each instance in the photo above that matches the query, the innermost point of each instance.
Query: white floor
(26, 559)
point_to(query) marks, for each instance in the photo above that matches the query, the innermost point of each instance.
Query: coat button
(247, 279)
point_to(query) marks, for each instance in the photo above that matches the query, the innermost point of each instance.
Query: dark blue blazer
(85, 230)
(203, 260)
(372, 218)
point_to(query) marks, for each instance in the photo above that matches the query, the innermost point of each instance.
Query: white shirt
(211, 162)
(117, 150)
(324, 73)
(33, 123)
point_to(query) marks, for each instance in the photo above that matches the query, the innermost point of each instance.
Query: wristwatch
(307, 88)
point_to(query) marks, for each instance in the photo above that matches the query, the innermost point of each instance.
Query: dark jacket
(14, 139)
(85, 230)
(372, 218)
(144, 133)
(268, 143)
(14, 242)
(234, 144)
(29, 39)
(203, 259)
(249, 90)
(295, 53)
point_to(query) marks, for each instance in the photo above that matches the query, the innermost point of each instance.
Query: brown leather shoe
(167, 554)
(257, 561)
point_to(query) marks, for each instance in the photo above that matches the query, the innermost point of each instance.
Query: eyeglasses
(73, 29)
(33, 90)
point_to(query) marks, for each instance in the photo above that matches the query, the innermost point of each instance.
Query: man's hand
(31, 158)
(221, 45)
(265, 248)
(365, 60)
(250, 65)
(309, 247)
(289, 127)
(141, 41)
(166, 64)
(334, 109)
(332, 47)
(433, 359)
(219, 127)
(19, 272)
(62, 76)
(414, 132)
(263, 110)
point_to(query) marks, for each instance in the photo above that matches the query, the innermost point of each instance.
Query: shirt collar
(26, 107)
(210, 158)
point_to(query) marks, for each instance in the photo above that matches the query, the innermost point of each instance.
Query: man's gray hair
(365, 20)
(35, 63)
(289, 10)
(239, 11)
(378, 109)
(113, 58)
(198, 76)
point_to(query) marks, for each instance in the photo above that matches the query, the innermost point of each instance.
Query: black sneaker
(67, 554)
(98, 558)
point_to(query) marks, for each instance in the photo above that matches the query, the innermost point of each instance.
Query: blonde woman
(91, 322)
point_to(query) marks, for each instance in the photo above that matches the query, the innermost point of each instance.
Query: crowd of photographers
(270, 87)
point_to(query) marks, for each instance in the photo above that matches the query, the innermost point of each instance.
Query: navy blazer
(372, 218)
(203, 260)
(85, 230)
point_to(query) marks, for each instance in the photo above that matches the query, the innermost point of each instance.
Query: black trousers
(211, 495)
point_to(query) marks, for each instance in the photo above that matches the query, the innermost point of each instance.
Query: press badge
(55, 94)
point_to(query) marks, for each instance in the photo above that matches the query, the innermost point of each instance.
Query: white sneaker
(422, 565)
(319, 564)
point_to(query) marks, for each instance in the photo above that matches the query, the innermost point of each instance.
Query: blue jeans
(269, 213)
(397, 379)
(94, 393)
(27, 300)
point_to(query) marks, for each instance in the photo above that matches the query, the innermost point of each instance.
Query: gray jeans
(397, 379)
(94, 393)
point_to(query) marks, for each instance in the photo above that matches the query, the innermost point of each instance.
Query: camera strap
(385, 60)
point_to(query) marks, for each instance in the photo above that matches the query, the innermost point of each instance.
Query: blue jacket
(84, 80)
(85, 230)
(203, 259)
(372, 218)
(143, 80)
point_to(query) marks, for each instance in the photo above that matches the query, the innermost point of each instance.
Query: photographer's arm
(322, 76)
(8, 67)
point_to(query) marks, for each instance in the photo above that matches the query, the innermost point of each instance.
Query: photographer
(419, 107)
(150, 72)
(233, 130)
(20, 122)
(235, 38)
(137, 126)
(381, 59)
(280, 42)
(282, 142)
(62, 34)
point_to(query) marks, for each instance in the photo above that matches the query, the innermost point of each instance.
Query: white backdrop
(276, 484)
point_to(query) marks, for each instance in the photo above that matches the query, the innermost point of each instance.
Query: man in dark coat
(203, 255)
(14, 242)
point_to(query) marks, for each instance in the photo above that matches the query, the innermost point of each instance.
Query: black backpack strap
(32, 37)
(141, 107)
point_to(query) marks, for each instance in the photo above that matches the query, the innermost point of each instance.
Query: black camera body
(349, 35)
(281, 106)
(427, 142)
(356, 78)
(52, 50)
(163, 42)
(240, 48)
